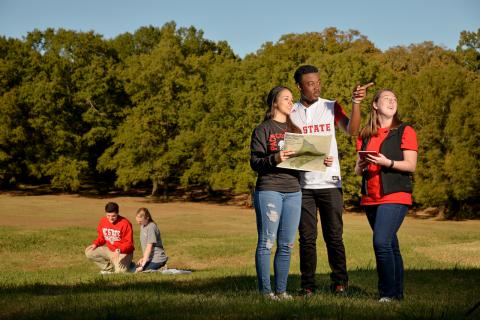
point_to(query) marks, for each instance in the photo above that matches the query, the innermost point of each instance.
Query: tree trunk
(154, 188)
(249, 201)
(165, 191)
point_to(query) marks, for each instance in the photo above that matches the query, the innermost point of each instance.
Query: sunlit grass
(45, 274)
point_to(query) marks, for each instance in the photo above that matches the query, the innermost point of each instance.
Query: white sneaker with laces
(284, 296)
(385, 299)
(271, 296)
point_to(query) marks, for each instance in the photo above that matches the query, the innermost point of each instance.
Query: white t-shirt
(320, 119)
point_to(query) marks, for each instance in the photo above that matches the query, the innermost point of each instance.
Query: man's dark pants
(330, 205)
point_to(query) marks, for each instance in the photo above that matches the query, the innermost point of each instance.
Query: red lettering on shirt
(326, 127)
(111, 235)
(273, 141)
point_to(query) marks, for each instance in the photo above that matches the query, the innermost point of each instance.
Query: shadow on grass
(431, 294)
(156, 282)
(171, 284)
(463, 279)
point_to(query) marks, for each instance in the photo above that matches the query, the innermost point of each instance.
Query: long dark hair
(372, 125)
(271, 109)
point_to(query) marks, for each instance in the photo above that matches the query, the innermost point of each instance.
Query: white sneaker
(271, 296)
(284, 296)
(106, 272)
(385, 299)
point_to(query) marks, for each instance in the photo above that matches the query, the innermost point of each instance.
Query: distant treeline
(167, 107)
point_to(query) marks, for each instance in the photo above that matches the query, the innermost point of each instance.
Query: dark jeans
(154, 265)
(385, 220)
(330, 205)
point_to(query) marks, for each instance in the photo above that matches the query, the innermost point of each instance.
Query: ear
(375, 106)
(299, 87)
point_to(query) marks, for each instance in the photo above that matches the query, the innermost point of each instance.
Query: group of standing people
(113, 248)
(288, 200)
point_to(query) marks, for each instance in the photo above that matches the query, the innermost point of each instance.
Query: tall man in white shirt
(323, 191)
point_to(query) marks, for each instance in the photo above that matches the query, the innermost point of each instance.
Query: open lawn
(45, 274)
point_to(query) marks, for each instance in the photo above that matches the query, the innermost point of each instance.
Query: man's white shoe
(106, 272)
(385, 299)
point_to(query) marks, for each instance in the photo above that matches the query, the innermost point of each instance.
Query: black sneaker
(307, 292)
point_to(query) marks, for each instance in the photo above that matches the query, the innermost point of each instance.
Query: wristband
(356, 101)
(391, 164)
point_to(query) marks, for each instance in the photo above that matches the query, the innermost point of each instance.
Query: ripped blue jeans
(278, 216)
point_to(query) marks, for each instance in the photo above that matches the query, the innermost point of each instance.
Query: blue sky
(247, 24)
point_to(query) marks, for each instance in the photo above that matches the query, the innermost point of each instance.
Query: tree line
(163, 107)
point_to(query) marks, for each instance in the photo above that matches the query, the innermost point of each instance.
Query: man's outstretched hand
(360, 92)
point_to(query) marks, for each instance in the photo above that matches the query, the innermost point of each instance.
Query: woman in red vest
(386, 186)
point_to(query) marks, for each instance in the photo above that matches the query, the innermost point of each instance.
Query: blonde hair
(144, 213)
(372, 125)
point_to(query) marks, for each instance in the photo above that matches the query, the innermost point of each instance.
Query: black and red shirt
(267, 140)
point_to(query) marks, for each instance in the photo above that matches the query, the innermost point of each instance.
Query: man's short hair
(111, 207)
(304, 70)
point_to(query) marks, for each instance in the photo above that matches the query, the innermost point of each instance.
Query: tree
(66, 79)
(429, 97)
(165, 106)
(141, 142)
(462, 165)
(165, 86)
(468, 49)
(14, 66)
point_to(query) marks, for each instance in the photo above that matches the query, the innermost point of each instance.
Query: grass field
(45, 274)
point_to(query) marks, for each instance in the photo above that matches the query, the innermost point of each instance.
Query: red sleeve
(339, 113)
(359, 142)
(100, 241)
(409, 139)
(126, 243)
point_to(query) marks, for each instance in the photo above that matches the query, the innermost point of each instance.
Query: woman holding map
(277, 196)
(387, 157)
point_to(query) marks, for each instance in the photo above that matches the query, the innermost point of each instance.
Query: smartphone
(363, 154)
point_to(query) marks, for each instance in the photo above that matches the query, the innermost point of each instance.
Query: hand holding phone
(363, 153)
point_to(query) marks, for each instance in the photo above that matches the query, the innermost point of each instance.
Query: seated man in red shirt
(116, 232)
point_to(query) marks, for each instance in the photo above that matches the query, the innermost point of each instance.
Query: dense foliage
(164, 107)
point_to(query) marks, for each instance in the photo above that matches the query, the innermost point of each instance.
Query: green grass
(45, 274)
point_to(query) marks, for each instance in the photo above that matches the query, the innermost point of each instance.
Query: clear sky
(247, 24)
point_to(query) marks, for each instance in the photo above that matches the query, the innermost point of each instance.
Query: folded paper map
(310, 151)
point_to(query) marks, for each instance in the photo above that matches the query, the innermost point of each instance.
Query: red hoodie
(118, 235)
